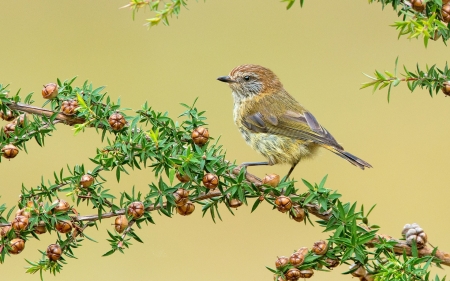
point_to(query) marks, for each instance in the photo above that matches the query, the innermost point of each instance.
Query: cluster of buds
(413, 232)
(10, 151)
(69, 107)
(117, 121)
(200, 136)
(184, 206)
(210, 181)
(360, 272)
(136, 210)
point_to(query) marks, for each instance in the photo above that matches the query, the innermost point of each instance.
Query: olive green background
(319, 52)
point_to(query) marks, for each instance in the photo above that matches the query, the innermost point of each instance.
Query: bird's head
(249, 79)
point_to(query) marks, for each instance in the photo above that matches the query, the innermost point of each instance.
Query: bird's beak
(226, 79)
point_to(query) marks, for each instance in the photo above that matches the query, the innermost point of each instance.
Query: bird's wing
(298, 124)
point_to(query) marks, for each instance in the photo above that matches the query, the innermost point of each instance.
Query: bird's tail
(349, 157)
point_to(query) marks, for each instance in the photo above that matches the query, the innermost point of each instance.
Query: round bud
(50, 91)
(186, 209)
(296, 259)
(19, 223)
(281, 261)
(4, 230)
(445, 13)
(179, 200)
(8, 116)
(303, 251)
(86, 181)
(68, 107)
(306, 273)
(283, 203)
(10, 151)
(135, 210)
(320, 247)
(271, 179)
(117, 121)
(23, 212)
(182, 192)
(17, 245)
(446, 85)
(20, 120)
(297, 213)
(40, 229)
(182, 178)
(200, 136)
(54, 252)
(63, 226)
(121, 223)
(359, 272)
(331, 263)
(292, 274)
(62, 205)
(9, 129)
(235, 203)
(418, 5)
(210, 181)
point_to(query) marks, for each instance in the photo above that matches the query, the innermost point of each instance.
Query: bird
(274, 124)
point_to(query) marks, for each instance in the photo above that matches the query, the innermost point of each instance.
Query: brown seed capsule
(367, 277)
(446, 85)
(19, 223)
(17, 246)
(117, 121)
(8, 116)
(297, 213)
(418, 5)
(182, 178)
(306, 273)
(320, 247)
(281, 261)
(359, 272)
(4, 230)
(23, 212)
(296, 259)
(235, 203)
(9, 129)
(446, 16)
(62, 205)
(279, 278)
(182, 192)
(331, 263)
(283, 203)
(10, 151)
(292, 274)
(181, 196)
(303, 251)
(135, 210)
(186, 209)
(272, 180)
(50, 91)
(40, 229)
(121, 223)
(63, 226)
(86, 181)
(68, 107)
(54, 252)
(210, 181)
(20, 120)
(200, 136)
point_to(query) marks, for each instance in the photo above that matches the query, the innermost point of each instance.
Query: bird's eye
(246, 77)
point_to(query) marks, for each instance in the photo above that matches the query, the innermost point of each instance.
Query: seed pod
(297, 213)
(306, 273)
(62, 206)
(63, 226)
(54, 252)
(86, 181)
(4, 230)
(20, 120)
(135, 210)
(331, 263)
(186, 209)
(292, 274)
(446, 85)
(68, 107)
(200, 136)
(50, 91)
(10, 151)
(235, 203)
(359, 272)
(17, 246)
(117, 121)
(367, 277)
(40, 229)
(281, 261)
(23, 212)
(303, 251)
(279, 278)
(179, 200)
(121, 223)
(272, 180)
(9, 129)
(283, 203)
(210, 181)
(182, 192)
(445, 13)
(296, 259)
(418, 5)
(320, 247)
(182, 178)
(19, 223)
(8, 116)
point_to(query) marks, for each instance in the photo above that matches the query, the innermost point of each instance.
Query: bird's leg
(290, 170)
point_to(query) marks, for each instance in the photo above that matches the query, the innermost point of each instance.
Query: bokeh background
(319, 52)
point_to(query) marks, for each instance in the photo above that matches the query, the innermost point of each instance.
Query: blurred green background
(319, 52)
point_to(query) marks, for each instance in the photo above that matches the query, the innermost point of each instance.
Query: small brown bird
(273, 123)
